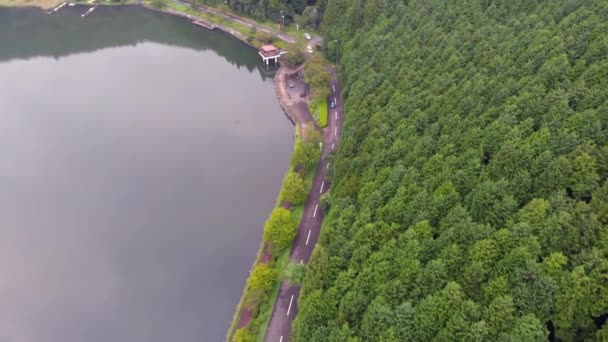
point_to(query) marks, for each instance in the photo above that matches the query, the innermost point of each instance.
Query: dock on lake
(54, 10)
(204, 24)
(89, 11)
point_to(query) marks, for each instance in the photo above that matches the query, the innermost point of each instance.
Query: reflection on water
(137, 170)
(27, 32)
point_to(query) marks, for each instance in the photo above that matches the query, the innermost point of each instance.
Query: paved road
(316, 40)
(248, 23)
(286, 307)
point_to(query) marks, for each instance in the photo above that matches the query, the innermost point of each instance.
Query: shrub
(261, 278)
(294, 189)
(243, 335)
(295, 273)
(306, 154)
(295, 56)
(158, 3)
(325, 201)
(262, 37)
(280, 229)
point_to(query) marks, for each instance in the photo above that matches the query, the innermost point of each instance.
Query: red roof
(269, 48)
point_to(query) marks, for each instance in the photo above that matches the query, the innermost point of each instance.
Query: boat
(88, 11)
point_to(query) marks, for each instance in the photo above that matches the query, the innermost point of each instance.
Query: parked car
(309, 49)
(332, 104)
(307, 36)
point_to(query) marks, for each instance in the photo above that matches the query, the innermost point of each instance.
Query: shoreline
(241, 316)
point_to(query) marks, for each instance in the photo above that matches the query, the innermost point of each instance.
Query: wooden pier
(204, 24)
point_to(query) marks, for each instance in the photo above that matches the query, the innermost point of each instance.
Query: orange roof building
(268, 52)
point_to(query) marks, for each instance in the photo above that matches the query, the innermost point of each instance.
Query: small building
(268, 52)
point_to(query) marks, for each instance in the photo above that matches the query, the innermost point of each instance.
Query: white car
(307, 36)
(309, 49)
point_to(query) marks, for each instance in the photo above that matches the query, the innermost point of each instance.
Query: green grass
(322, 109)
(319, 111)
(260, 323)
(220, 20)
(177, 6)
(263, 317)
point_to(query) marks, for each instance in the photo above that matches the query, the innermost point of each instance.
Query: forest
(306, 13)
(469, 198)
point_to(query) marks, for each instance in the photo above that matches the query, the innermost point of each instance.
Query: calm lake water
(140, 157)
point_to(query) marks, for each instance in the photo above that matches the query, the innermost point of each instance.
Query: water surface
(140, 158)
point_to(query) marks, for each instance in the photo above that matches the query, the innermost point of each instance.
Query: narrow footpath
(286, 307)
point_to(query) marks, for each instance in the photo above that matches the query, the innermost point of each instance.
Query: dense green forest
(306, 13)
(469, 198)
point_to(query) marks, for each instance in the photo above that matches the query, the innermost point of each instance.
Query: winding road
(286, 307)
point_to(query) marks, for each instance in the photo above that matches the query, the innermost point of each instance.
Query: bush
(280, 229)
(262, 37)
(294, 189)
(317, 77)
(306, 154)
(325, 201)
(295, 273)
(158, 3)
(261, 278)
(243, 335)
(295, 56)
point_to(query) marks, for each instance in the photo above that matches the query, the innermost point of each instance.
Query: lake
(141, 156)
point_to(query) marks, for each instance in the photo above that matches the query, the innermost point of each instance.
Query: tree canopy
(261, 278)
(469, 198)
(280, 229)
(306, 154)
(294, 190)
(303, 12)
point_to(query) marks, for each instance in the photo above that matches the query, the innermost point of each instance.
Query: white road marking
(334, 87)
(336, 131)
(315, 213)
(281, 339)
(336, 115)
(308, 237)
(335, 101)
(289, 308)
(320, 191)
(333, 145)
(328, 165)
(301, 261)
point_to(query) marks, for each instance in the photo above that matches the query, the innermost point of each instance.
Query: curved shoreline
(301, 122)
(297, 114)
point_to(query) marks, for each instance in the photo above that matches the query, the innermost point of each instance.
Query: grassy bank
(319, 111)
(263, 319)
